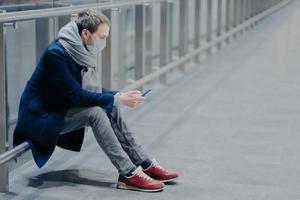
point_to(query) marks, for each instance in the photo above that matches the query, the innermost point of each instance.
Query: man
(64, 95)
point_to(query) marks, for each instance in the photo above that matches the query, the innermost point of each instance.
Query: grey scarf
(70, 39)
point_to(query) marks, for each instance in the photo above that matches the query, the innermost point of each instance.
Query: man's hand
(131, 99)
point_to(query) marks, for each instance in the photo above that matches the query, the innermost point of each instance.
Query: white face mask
(98, 46)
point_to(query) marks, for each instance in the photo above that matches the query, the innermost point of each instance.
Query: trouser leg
(126, 137)
(97, 118)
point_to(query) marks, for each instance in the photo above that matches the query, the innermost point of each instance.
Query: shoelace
(141, 174)
(156, 165)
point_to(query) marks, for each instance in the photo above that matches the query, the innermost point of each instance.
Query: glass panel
(126, 47)
(174, 29)
(24, 46)
(203, 14)
(21, 60)
(148, 39)
(148, 14)
(155, 49)
(224, 5)
(214, 18)
(191, 21)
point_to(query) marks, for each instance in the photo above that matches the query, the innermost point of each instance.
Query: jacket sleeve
(60, 78)
(113, 92)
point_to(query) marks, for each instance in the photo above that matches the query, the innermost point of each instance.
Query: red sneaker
(157, 172)
(139, 181)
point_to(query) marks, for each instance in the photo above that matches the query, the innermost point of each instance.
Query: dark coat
(54, 87)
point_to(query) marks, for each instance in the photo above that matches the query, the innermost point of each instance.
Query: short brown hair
(90, 19)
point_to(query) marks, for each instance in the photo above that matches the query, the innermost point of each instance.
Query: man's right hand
(131, 99)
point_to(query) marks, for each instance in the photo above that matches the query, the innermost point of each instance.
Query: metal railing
(246, 13)
(68, 10)
(14, 153)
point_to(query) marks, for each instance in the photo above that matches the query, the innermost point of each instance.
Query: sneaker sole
(123, 186)
(168, 180)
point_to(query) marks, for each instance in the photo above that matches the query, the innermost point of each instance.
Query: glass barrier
(174, 33)
(25, 41)
(126, 26)
(22, 5)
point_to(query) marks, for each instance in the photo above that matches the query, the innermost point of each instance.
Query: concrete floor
(230, 126)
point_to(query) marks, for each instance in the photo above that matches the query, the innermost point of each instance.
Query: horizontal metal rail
(36, 5)
(14, 153)
(203, 48)
(68, 10)
(20, 149)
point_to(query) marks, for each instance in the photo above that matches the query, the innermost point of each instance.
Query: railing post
(228, 17)
(197, 33)
(250, 14)
(183, 30)
(149, 47)
(256, 9)
(171, 34)
(241, 12)
(244, 12)
(247, 9)
(164, 40)
(3, 114)
(139, 43)
(209, 24)
(235, 15)
(257, 6)
(113, 45)
(252, 8)
(106, 59)
(261, 3)
(219, 21)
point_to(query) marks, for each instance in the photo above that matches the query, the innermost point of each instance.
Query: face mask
(98, 46)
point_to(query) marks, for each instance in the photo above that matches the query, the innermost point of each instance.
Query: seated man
(64, 95)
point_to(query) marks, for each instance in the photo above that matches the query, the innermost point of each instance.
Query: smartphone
(144, 94)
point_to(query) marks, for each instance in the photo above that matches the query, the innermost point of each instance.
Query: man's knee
(97, 114)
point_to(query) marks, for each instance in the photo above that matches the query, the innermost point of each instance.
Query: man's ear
(84, 32)
(83, 37)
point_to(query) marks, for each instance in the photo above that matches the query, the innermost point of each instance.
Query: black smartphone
(144, 94)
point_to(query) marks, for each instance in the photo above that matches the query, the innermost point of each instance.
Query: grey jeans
(111, 133)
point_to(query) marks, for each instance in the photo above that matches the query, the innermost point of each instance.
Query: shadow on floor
(70, 177)
(171, 183)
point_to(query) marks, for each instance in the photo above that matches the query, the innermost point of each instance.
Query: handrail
(68, 10)
(203, 48)
(14, 153)
(20, 149)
